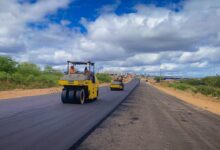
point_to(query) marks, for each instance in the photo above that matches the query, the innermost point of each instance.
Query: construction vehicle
(79, 86)
(117, 84)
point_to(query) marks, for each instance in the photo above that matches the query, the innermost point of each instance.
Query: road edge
(204, 107)
(78, 142)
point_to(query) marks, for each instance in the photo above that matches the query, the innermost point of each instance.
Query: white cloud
(169, 66)
(145, 40)
(204, 53)
(14, 17)
(200, 64)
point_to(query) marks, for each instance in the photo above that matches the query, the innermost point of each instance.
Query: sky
(178, 37)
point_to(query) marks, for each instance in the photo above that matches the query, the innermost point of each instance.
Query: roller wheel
(97, 93)
(71, 96)
(81, 96)
(64, 96)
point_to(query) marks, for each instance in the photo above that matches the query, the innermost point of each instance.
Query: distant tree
(7, 64)
(158, 78)
(27, 68)
(103, 77)
(49, 70)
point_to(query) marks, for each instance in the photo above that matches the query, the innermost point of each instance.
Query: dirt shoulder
(208, 103)
(28, 92)
(32, 92)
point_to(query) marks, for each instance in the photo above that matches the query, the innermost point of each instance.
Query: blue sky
(179, 37)
(91, 9)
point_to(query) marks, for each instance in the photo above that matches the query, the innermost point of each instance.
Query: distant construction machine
(117, 84)
(79, 86)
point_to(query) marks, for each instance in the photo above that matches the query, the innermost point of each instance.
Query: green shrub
(193, 82)
(3, 76)
(180, 86)
(208, 90)
(212, 81)
(7, 64)
(103, 77)
(209, 86)
(26, 68)
(205, 90)
(30, 79)
(18, 78)
(26, 75)
(158, 78)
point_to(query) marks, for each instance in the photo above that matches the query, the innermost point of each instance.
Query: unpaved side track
(152, 120)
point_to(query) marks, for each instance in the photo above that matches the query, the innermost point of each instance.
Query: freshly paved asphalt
(43, 122)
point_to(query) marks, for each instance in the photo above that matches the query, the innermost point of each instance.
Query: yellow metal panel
(116, 86)
(74, 83)
(92, 87)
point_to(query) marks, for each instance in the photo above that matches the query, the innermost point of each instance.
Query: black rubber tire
(71, 96)
(97, 93)
(64, 96)
(81, 96)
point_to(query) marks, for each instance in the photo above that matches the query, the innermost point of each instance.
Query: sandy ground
(209, 103)
(32, 92)
(149, 119)
(27, 92)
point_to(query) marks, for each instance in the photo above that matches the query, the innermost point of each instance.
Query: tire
(97, 93)
(64, 96)
(81, 96)
(71, 96)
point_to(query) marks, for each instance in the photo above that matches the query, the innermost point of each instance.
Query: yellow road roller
(117, 84)
(79, 82)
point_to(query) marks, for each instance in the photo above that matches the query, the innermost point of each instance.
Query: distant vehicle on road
(117, 84)
(79, 85)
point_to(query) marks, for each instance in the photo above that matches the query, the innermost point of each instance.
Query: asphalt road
(43, 122)
(152, 120)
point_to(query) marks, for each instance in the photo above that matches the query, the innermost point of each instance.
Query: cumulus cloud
(143, 41)
(14, 16)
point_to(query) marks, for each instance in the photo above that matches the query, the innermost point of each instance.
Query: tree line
(26, 75)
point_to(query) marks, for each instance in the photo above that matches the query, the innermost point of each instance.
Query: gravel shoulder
(151, 119)
(208, 103)
(27, 92)
(32, 92)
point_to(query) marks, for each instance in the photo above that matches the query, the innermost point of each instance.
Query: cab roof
(81, 62)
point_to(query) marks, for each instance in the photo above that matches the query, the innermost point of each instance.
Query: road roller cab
(117, 84)
(80, 83)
